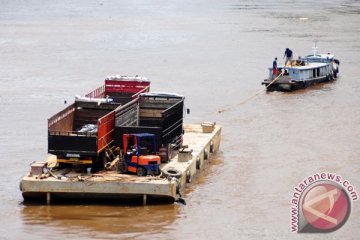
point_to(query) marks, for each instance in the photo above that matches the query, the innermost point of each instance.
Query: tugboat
(304, 72)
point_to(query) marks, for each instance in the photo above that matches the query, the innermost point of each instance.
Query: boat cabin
(311, 70)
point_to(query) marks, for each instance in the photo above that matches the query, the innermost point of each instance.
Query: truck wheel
(123, 168)
(95, 165)
(211, 146)
(100, 162)
(171, 172)
(141, 171)
(198, 163)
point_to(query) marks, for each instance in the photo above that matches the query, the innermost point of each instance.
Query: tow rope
(251, 97)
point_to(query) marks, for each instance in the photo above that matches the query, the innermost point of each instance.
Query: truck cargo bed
(65, 137)
(160, 114)
(85, 128)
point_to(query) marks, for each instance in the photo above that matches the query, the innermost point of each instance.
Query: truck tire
(99, 162)
(95, 166)
(198, 163)
(122, 168)
(171, 172)
(206, 154)
(211, 147)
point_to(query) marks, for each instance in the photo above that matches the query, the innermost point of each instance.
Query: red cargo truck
(84, 131)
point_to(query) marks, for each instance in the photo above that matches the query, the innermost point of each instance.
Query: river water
(216, 52)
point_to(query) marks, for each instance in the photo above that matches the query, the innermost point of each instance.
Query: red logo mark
(326, 207)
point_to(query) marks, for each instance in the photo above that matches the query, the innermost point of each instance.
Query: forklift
(139, 155)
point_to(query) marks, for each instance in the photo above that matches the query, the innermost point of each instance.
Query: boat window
(318, 71)
(314, 73)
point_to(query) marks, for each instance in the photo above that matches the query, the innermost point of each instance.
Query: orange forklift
(140, 155)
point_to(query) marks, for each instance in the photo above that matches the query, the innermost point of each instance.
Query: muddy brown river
(216, 53)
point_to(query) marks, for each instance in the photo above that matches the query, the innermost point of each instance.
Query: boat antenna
(315, 48)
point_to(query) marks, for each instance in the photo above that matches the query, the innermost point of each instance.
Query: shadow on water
(106, 219)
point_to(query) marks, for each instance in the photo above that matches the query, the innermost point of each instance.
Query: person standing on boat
(288, 54)
(275, 70)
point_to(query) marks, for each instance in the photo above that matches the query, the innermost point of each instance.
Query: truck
(139, 154)
(121, 89)
(83, 133)
(160, 114)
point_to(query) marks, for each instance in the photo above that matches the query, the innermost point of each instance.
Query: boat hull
(286, 84)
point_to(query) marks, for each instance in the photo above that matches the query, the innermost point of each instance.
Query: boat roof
(310, 65)
(323, 56)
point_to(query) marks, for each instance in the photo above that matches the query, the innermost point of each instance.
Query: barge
(95, 148)
(46, 184)
(304, 72)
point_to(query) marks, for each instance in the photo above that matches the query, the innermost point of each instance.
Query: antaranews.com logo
(321, 203)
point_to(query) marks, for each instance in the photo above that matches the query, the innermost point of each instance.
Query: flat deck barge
(200, 141)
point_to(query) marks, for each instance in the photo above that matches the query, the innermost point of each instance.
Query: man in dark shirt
(288, 54)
